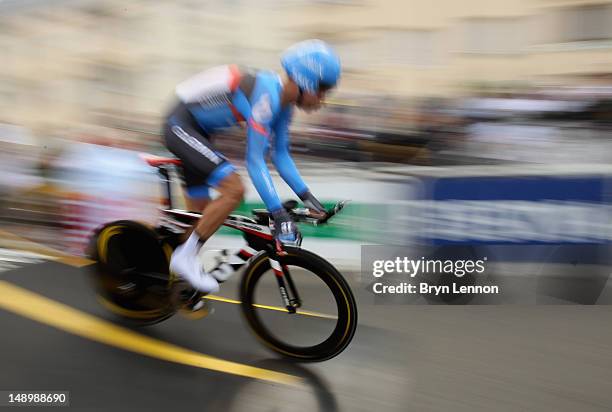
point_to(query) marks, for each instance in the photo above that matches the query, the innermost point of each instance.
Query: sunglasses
(325, 87)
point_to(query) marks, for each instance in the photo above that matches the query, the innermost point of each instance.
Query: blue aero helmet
(312, 65)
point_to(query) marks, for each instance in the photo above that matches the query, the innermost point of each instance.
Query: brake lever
(303, 214)
(333, 211)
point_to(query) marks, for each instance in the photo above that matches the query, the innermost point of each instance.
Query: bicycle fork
(288, 292)
(290, 297)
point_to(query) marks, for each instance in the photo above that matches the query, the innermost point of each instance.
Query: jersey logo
(262, 110)
(286, 227)
(196, 144)
(219, 98)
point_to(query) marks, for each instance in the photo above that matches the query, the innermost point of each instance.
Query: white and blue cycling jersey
(226, 96)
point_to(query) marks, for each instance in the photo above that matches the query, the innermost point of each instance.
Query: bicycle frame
(133, 280)
(258, 235)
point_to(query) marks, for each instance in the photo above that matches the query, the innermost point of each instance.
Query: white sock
(193, 243)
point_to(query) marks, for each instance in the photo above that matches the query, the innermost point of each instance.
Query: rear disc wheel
(131, 273)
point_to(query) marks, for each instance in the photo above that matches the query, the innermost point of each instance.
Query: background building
(84, 62)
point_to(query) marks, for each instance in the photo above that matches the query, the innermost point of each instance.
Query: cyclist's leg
(203, 167)
(195, 204)
(231, 192)
(214, 213)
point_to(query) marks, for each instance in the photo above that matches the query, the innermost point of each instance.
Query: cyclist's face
(310, 102)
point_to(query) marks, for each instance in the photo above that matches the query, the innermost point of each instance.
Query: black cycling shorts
(203, 165)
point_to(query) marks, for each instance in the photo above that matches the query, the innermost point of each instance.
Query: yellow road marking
(57, 255)
(276, 308)
(77, 261)
(222, 299)
(44, 310)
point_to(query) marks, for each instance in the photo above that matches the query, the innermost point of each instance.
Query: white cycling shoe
(185, 263)
(223, 272)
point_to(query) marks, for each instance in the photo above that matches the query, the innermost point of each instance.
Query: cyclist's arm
(282, 157)
(258, 145)
(286, 167)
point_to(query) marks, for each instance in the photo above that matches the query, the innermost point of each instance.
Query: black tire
(123, 247)
(346, 324)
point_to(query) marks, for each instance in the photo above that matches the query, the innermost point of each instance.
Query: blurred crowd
(552, 125)
(569, 124)
(531, 125)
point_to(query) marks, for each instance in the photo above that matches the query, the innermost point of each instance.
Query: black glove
(312, 203)
(285, 229)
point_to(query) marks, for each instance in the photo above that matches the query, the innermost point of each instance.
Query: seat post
(165, 175)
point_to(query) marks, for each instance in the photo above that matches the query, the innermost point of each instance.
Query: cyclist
(225, 96)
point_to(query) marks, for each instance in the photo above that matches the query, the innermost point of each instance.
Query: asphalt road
(403, 358)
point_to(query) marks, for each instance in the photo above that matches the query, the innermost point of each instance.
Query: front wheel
(323, 325)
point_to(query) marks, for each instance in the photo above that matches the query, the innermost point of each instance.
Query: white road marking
(12, 259)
